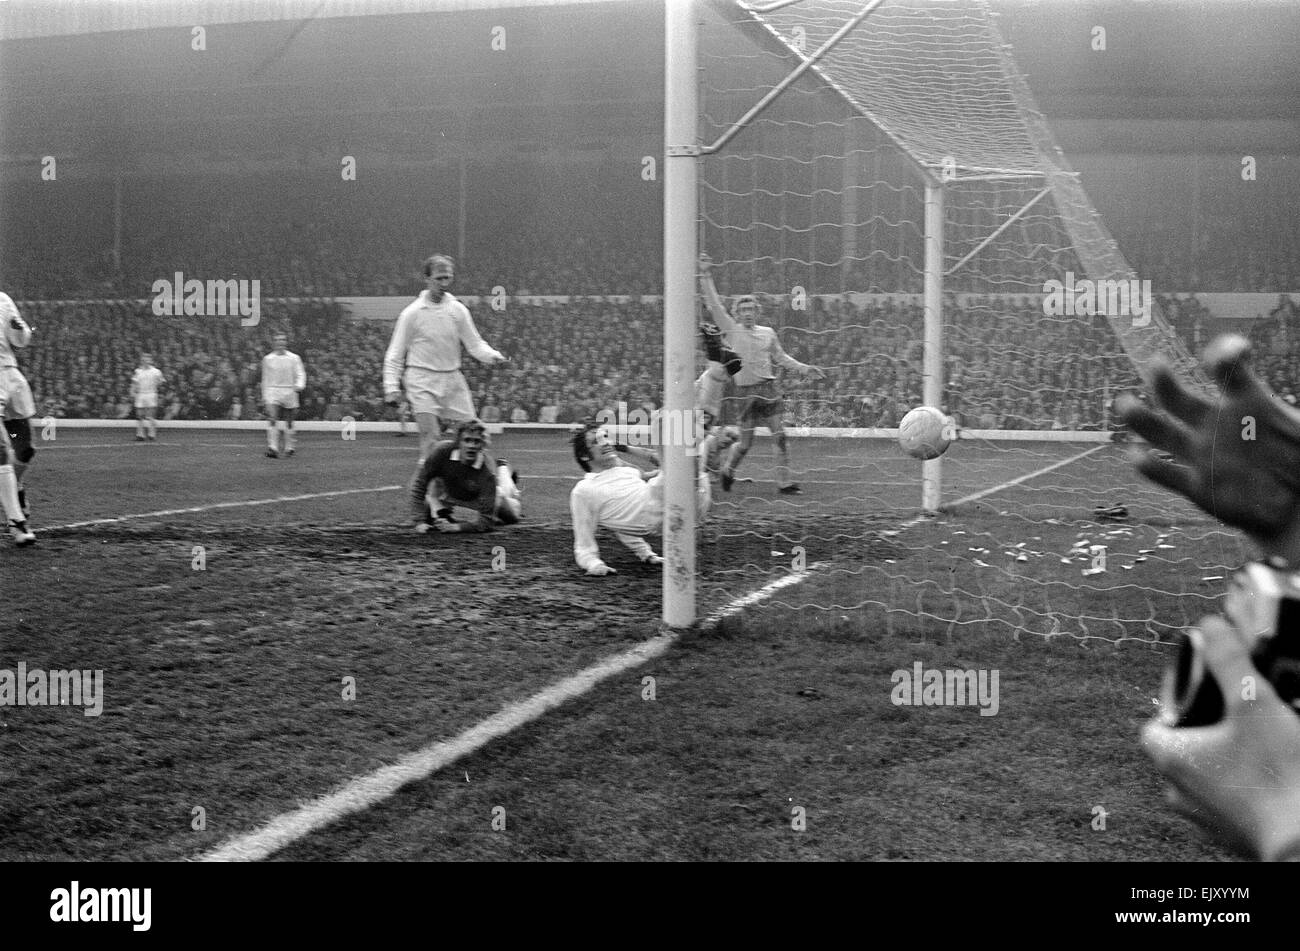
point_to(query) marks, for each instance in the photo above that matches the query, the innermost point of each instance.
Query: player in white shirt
(758, 348)
(620, 497)
(424, 355)
(17, 409)
(283, 378)
(145, 382)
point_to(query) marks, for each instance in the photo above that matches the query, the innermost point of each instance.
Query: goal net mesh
(817, 205)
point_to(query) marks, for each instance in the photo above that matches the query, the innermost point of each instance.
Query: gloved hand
(652, 559)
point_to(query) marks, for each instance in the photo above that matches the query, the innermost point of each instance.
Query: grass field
(224, 687)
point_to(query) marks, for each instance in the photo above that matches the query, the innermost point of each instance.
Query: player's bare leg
(430, 430)
(737, 455)
(783, 483)
(19, 432)
(272, 437)
(14, 518)
(290, 437)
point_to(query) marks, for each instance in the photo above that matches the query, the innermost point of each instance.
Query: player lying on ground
(461, 472)
(620, 497)
(283, 378)
(17, 409)
(761, 404)
(424, 355)
(1239, 778)
(145, 382)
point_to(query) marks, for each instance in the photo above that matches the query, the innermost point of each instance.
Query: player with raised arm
(620, 497)
(461, 472)
(17, 409)
(761, 403)
(283, 378)
(423, 356)
(145, 382)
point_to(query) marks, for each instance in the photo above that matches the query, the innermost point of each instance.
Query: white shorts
(15, 395)
(444, 394)
(285, 396)
(146, 402)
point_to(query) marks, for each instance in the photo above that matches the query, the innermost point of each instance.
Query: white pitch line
(222, 505)
(364, 792)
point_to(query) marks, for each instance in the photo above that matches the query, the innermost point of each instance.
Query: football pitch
(271, 632)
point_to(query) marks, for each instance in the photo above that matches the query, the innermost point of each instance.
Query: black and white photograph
(872, 424)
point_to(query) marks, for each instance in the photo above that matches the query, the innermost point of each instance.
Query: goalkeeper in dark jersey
(460, 472)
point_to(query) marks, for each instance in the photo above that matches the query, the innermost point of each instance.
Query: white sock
(289, 437)
(270, 435)
(153, 428)
(506, 485)
(9, 494)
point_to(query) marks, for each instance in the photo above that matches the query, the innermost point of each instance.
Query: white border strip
(219, 505)
(363, 792)
(629, 431)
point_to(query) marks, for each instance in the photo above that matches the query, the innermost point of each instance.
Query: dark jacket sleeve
(420, 486)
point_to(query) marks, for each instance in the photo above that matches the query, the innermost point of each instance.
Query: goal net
(817, 203)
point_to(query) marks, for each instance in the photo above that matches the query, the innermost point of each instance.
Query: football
(925, 433)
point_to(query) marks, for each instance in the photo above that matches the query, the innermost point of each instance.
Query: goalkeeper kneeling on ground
(620, 497)
(460, 472)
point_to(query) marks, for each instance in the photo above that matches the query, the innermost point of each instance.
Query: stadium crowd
(1008, 365)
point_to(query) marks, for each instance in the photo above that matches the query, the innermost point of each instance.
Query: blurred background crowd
(1007, 364)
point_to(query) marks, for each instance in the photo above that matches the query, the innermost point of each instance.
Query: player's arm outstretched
(783, 359)
(585, 514)
(474, 343)
(395, 356)
(712, 299)
(418, 495)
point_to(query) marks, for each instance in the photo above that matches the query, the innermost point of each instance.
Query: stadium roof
(21, 19)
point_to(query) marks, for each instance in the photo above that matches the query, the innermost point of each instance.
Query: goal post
(681, 157)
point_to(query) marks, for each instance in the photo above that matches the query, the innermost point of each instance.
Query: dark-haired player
(620, 497)
(424, 355)
(460, 472)
(17, 409)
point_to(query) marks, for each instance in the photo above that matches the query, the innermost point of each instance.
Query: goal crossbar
(809, 62)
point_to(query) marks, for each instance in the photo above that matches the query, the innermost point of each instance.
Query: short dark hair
(581, 452)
